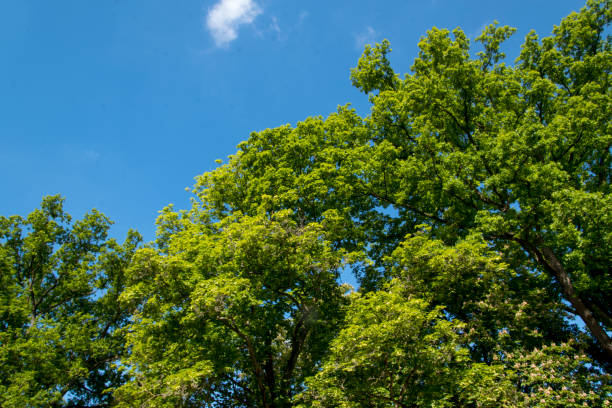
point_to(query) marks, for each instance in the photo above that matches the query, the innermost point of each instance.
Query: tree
(519, 154)
(60, 324)
(502, 308)
(236, 312)
(394, 351)
(397, 351)
(474, 205)
(456, 327)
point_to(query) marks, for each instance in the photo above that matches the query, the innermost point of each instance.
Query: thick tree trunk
(548, 258)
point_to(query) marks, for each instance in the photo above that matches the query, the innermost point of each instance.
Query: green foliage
(503, 308)
(482, 188)
(60, 324)
(473, 204)
(557, 376)
(393, 351)
(236, 312)
(374, 71)
(520, 154)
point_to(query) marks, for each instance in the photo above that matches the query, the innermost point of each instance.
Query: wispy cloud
(91, 155)
(224, 18)
(303, 16)
(275, 27)
(368, 36)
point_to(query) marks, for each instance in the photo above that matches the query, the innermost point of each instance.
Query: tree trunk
(548, 258)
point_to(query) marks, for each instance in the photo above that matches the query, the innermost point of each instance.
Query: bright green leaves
(373, 71)
(393, 351)
(582, 34)
(242, 317)
(397, 348)
(473, 203)
(440, 53)
(60, 324)
(476, 146)
(310, 170)
(491, 38)
(557, 375)
(222, 297)
(503, 308)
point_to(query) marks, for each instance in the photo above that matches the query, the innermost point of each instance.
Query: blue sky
(118, 105)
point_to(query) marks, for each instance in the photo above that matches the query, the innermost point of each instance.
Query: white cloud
(224, 18)
(368, 36)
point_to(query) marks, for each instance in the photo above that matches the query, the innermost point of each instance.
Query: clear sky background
(118, 105)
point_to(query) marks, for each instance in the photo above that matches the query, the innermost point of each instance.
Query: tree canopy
(473, 204)
(62, 328)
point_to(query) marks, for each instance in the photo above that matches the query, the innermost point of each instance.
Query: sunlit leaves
(61, 326)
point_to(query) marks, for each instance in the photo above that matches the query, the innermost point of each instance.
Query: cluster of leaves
(61, 326)
(234, 313)
(473, 204)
